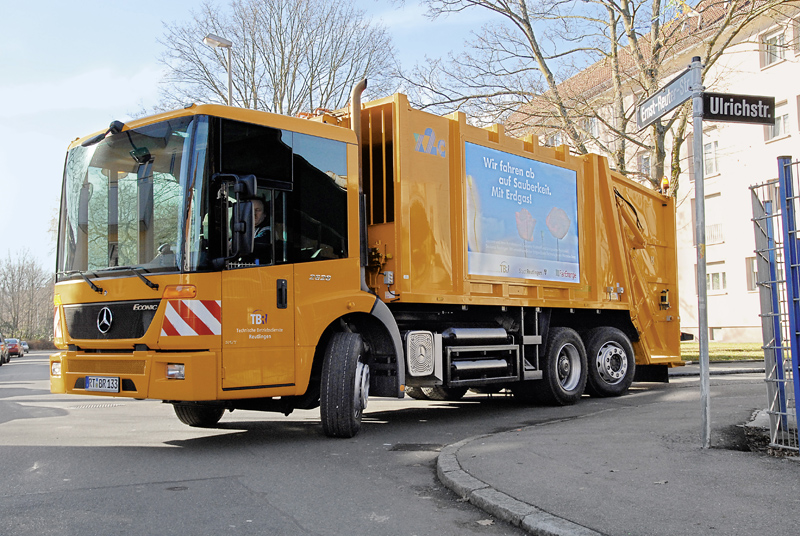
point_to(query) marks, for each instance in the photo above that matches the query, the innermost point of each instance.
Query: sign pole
(700, 234)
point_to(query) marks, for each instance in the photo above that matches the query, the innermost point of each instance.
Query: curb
(502, 506)
(718, 372)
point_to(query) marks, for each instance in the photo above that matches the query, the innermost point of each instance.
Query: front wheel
(345, 385)
(611, 362)
(198, 415)
(564, 373)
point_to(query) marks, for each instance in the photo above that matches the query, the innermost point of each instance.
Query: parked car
(4, 357)
(25, 347)
(14, 347)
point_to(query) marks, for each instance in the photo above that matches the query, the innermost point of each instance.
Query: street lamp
(220, 42)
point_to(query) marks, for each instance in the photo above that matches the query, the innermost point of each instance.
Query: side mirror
(245, 187)
(243, 229)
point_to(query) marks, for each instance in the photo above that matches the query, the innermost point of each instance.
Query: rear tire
(612, 364)
(197, 415)
(564, 372)
(416, 393)
(344, 391)
(445, 393)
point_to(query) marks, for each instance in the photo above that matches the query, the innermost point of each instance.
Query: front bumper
(142, 374)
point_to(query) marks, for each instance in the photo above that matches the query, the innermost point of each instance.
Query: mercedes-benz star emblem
(104, 319)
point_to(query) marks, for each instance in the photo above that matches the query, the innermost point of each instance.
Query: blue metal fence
(775, 206)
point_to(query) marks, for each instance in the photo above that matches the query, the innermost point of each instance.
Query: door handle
(283, 294)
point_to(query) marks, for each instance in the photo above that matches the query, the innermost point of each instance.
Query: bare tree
(288, 56)
(570, 66)
(26, 298)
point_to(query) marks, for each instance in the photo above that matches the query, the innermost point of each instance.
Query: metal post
(700, 233)
(777, 341)
(230, 78)
(791, 259)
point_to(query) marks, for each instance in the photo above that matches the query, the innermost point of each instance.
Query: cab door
(258, 329)
(258, 314)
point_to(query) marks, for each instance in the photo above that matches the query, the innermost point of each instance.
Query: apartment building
(764, 60)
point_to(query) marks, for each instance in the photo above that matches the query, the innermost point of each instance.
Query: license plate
(101, 383)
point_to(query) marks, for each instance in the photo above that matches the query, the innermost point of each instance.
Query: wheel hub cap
(569, 367)
(362, 387)
(612, 363)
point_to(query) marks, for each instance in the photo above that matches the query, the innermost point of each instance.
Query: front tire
(344, 391)
(612, 363)
(564, 373)
(197, 415)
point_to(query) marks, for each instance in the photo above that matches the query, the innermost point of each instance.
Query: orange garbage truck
(219, 258)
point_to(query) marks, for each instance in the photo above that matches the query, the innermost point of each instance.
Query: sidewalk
(634, 465)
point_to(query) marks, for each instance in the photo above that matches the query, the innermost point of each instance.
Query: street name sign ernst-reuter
(670, 97)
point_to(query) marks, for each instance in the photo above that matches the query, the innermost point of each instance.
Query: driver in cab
(262, 236)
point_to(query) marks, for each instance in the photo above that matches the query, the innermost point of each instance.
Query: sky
(70, 68)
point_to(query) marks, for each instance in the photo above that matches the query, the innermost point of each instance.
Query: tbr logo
(257, 318)
(427, 143)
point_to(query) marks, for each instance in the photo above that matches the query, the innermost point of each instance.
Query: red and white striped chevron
(192, 317)
(57, 323)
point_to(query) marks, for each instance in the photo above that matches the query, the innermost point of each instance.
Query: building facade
(763, 60)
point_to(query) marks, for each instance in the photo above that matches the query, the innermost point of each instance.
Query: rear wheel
(198, 415)
(564, 372)
(445, 393)
(611, 362)
(416, 393)
(344, 391)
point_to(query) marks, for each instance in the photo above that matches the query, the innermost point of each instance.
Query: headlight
(175, 371)
(55, 369)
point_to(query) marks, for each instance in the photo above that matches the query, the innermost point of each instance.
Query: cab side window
(302, 187)
(320, 198)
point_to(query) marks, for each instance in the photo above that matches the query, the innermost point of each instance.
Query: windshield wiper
(85, 278)
(147, 282)
(136, 271)
(94, 287)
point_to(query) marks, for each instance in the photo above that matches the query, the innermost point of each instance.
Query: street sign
(670, 97)
(739, 108)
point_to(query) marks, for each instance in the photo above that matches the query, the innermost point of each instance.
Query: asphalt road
(94, 465)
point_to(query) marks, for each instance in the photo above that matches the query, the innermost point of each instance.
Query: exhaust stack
(355, 124)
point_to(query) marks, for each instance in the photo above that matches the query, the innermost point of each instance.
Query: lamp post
(220, 42)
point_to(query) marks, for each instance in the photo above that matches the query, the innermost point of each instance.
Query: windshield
(124, 201)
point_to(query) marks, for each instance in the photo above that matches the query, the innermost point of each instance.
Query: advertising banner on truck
(522, 217)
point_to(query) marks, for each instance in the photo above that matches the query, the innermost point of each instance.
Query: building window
(751, 267)
(590, 128)
(716, 279)
(773, 49)
(643, 163)
(710, 163)
(781, 126)
(798, 111)
(714, 212)
(554, 140)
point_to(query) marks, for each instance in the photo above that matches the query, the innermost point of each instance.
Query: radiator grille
(105, 366)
